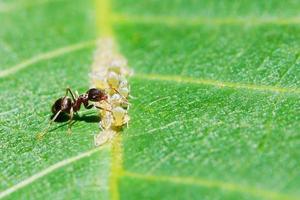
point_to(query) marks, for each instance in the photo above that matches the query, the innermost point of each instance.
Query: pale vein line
(196, 21)
(151, 131)
(47, 171)
(10, 7)
(216, 83)
(46, 56)
(8, 112)
(163, 127)
(157, 100)
(233, 187)
(161, 161)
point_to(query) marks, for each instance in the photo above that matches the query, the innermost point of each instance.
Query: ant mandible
(72, 105)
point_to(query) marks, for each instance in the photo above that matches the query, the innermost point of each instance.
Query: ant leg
(76, 114)
(41, 134)
(70, 121)
(119, 94)
(70, 91)
(125, 99)
(55, 116)
(76, 94)
(87, 105)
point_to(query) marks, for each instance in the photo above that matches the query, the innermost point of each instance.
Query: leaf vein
(227, 186)
(217, 83)
(46, 56)
(48, 171)
(196, 21)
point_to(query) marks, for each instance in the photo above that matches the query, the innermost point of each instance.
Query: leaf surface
(217, 108)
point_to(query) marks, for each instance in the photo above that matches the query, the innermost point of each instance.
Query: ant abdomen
(63, 104)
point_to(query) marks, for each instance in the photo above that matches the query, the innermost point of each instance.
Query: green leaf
(215, 113)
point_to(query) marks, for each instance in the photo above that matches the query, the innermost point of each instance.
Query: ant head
(96, 95)
(64, 104)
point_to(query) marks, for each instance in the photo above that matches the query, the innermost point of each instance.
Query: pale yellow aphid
(99, 80)
(103, 137)
(120, 116)
(110, 73)
(113, 79)
(116, 66)
(116, 99)
(116, 118)
(124, 92)
(106, 120)
(123, 82)
(124, 89)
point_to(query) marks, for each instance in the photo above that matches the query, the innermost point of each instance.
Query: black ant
(69, 106)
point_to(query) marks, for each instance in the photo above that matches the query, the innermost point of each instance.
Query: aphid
(116, 99)
(113, 79)
(103, 137)
(69, 106)
(100, 80)
(120, 116)
(106, 120)
(116, 118)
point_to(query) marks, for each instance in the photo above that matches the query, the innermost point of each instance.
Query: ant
(72, 105)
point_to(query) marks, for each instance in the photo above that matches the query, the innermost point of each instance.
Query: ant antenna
(120, 94)
(103, 109)
(41, 134)
(126, 100)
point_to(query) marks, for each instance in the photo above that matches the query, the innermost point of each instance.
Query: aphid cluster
(109, 74)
